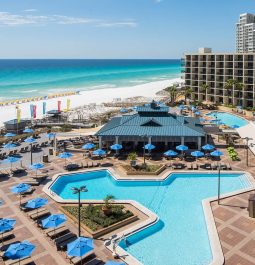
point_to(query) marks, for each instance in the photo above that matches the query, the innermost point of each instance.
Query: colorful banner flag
(68, 104)
(34, 111)
(59, 106)
(18, 115)
(31, 110)
(44, 108)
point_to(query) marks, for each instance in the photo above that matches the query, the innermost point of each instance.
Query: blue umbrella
(123, 110)
(80, 247)
(36, 203)
(202, 119)
(10, 160)
(193, 109)
(216, 153)
(51, 135)
(182, 148)
(88, 146)
(197, 154)
(170, 153)
(28, 130)
(99, 152)
(181, 107)
(65, 156)
(19, 250)
(9, 135)
(20, 188)
(197, 113)
(29, 140)
(111, 262)
(235, 126)
(36, 166)
(208, 147)
(9, 145)
(6, 225)
(149, 147)
(53, 221)
(116, 147)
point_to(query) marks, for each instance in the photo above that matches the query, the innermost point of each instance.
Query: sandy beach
(86, 97)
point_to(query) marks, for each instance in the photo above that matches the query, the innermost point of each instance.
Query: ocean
(29, 78)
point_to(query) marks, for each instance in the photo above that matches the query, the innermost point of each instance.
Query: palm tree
(239, 88)
(187, 93)
(172, 90)
(203, 89)
(229, 86)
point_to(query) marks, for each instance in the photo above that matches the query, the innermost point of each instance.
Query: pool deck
(236, 230)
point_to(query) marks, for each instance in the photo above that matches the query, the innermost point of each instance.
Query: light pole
(219, 168)
(78, 191)
(247, 149)
(144, 136)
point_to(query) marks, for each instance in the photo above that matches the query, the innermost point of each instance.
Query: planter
(133, 163)
(144, 173)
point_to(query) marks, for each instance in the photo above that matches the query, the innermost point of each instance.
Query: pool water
(180, 236)
(228, 119)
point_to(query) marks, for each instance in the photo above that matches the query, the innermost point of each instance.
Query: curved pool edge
(215, 244)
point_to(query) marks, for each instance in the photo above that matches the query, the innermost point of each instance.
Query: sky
(117, 29)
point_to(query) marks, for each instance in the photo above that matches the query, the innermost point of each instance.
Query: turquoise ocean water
(27, 78)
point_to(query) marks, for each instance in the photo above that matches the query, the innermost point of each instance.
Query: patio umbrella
(235, 126)
(88, 146)
(6, 225)
(53, 221)
(149, 147)
(216, 153)
(99, 152)
(112, 262)
(116, 147)
(123, 110)
(36, 203)
(30, 140)
(197, 154)
(202, 119)
(182, 148)
(65, 156)
(36, 166)
(19, 250)
(51, 135)
(197, 113)
(208, 147)
(170, 153)
(181, 107)
(9, 135)
(10, 145)
(19, 189)
(10, 160)
(80, 247)
(28, 130)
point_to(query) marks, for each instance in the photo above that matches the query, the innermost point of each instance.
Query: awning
(248, 131)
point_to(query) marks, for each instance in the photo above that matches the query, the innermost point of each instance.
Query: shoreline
(97, 96)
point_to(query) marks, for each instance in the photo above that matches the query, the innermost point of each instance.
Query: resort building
(207, 74)
(245, 34)
(154, 124)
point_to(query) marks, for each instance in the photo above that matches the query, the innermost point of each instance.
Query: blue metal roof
(154, 124)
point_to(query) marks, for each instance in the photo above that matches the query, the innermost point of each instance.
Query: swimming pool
(180, 236)
(228, 118)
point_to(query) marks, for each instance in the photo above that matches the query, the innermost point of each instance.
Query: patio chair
(228, 166)
(37, 215)
(95, 164)
(22, 150)
(58, 232)
(88, 257)
(90, 164)
(207, 166)
(214, 166)
(63, 241)
(33, 182)
(190, 166)
(23, 261)
(195, 166)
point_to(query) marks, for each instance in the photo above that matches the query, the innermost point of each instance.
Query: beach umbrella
(80, 247)
(208, 147)
(170, 153)
(197, 154)
(11, 159)
(9, 135)
(99, 152)
(193, 109)
(28, 130)
(51, 135)
(36, 166)
(216, 153)
(19, 189)
(112, 262)
(116, 147)
(197, 113)
(30, 140)
(88, 146)
(123, 110)
(6, 225)
(36, 203)
(65, 156)
(19, 250)
(10, 145)
(182, 148)
(149, 147)
(235, 126)
(53, 221)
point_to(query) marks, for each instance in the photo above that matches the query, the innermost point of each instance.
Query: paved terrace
(236, 229)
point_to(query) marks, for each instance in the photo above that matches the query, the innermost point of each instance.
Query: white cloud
(30, 10)
(9, 19)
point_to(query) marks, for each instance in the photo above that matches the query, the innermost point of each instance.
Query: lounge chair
(207, 166)
(90, 164)
(228, 166)
(95, 164)
(89, 256)
(32, 182)
(40, 214)
(63, 241)
(17, 171)
(71, 167)
(169, 165)
(190, 166)
(214, 166)
(58, 232)
(195, 166)
(24, 261)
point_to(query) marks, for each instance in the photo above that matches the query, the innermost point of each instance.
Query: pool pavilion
(152, 123)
